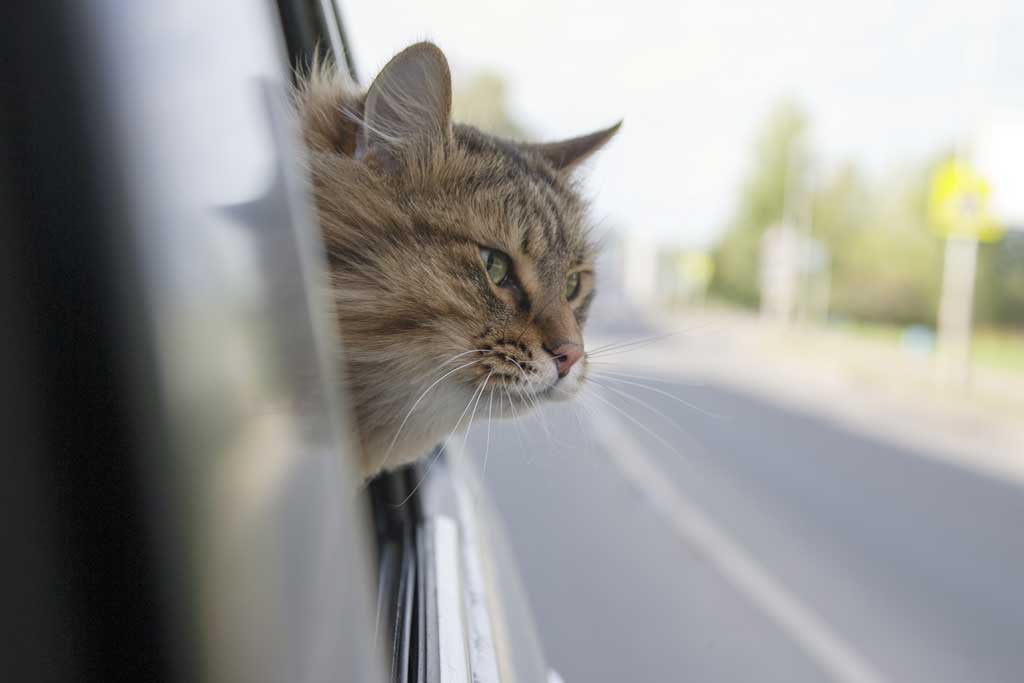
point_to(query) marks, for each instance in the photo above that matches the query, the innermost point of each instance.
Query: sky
(885, 84)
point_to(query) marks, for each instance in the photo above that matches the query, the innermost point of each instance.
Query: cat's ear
(567, 154)
(409, 103)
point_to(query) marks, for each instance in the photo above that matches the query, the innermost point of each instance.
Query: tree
(777, 181)
(886, 263)
(483, 102)
(1000, 288)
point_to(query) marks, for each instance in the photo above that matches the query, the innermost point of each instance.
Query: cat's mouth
(559, 389)
(563, 389)
(525, 376)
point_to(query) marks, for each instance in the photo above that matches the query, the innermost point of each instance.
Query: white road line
(836, 657)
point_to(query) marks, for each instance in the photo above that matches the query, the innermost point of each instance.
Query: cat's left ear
(565, 155)
(408, 104)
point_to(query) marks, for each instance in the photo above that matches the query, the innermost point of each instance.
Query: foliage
(483, 102)
(886, 264)
(1000, 288)
(778, 177)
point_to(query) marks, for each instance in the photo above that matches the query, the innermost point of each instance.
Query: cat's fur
(406, 200)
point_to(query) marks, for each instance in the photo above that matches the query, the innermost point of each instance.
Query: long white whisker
(511, 403)
(654, 338)
(634, 342)
(517, 424)
(487, 448)
(643, 403)
(530, 398)
(589, 412)
(576, 412)
(394, 440)
(639, 424)
(469, 425)
(575, 405)
(665, 393)
(479, 391)
(604, 371)
(558, 442)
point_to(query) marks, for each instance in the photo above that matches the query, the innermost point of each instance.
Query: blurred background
(802, 450)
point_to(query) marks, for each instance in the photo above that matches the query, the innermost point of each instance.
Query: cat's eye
(497, 264)
(572, 286)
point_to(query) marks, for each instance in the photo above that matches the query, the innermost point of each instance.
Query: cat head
(462, 265)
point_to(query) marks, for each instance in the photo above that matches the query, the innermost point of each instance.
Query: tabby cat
(460, 263)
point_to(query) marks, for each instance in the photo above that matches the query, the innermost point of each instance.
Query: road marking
(838, 658)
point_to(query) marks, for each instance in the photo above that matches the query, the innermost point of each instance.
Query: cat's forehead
(536, 210)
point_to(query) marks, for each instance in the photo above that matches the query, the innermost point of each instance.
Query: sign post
(958, 209)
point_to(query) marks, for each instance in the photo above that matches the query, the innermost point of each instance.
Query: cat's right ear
(566, 155)
(408, 104)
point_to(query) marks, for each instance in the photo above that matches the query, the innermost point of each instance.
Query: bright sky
(885, 83)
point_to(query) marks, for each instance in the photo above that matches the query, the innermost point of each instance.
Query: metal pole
(955, 309)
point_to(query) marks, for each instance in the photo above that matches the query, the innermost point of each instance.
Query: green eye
(572, 286)
(497, 264)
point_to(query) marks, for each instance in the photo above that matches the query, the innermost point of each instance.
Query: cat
(459, 262)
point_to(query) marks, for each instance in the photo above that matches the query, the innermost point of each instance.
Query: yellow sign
(697, 267)
(958, 204)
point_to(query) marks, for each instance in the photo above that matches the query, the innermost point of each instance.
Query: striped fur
(406, 200)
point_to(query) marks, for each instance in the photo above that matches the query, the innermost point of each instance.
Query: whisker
(643, 403)
(639, 424)
(649, 378)
(487, 448)
(469, 425)
(529, 397)
(394, 440)
(665, 393)
(511, 403)
(610, 349)
(634, 342)
(589, 413)
(477, 393)
(518, 426)
(576, 412)
(575, 405)
(553, 438)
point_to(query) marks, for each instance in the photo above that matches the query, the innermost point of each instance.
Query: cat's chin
(399, 442)
(564, 390)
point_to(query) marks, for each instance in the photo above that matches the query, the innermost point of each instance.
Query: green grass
(997, 349)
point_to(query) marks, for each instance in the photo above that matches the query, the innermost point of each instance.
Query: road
(748, 542)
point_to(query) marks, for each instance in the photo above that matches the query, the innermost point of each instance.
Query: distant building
(640, 269)
(794, 275)
(998, 154)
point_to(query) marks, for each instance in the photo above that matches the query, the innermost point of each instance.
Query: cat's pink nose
(566, 356)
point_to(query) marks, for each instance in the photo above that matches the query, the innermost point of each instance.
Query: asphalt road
(756, 544)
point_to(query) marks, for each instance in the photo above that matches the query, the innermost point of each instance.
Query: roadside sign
(959, 209)
(959, 204)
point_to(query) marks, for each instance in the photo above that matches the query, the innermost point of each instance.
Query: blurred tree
(886, 264)
(778, 180)
(483, 102)
(841, 207)
(1000, 288)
